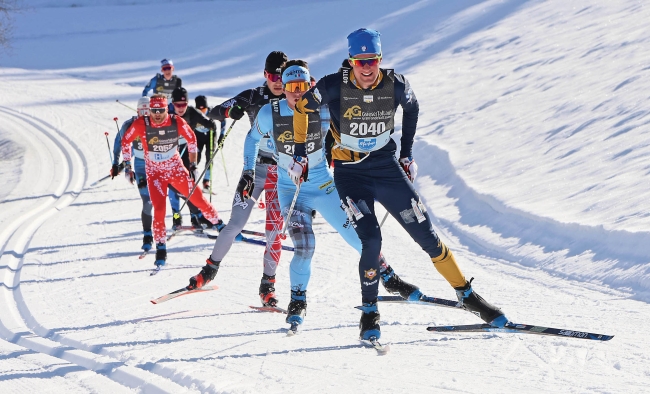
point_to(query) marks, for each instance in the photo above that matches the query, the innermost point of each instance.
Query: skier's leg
(157, 187)
(398, 196)
(181, 181)
(396, 193)
(356, 195)
(241, 211)
(301, 233)
(328, 204)
(274, 222)
(145, 216)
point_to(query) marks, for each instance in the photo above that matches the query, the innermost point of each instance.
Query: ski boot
(267, 291)
(369, 323)
(177, 220)
(147, 241)
(395, 285)
(200, 222)
(207, 274)
(161, 255)
(196, 223)
(297, 307)
(219, 226)
(474, 303)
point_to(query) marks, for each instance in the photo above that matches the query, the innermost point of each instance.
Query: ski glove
(235, 112)
(128, 173)
(220, 140)
(410, 167)
(115, 171)
(194, 174)
(298, 169)
(246, 185)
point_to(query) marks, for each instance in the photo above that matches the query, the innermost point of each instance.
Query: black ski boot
(393, 284)
(207, 274)
(147, 241)
(474, 303)
(161, 254)
(369, 323)
(297, 307)
(177, 220)
(267, 291)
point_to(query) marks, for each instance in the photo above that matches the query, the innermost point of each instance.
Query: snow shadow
(616, 258)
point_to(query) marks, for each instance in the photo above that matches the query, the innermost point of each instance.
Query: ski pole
(225, 171)
(131, 108)
(117, 125)
(176, 215)
(110, 157)
(384, 219)
(211, 144)
(293, 204)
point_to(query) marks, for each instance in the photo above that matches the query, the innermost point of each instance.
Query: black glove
(115, 171)
(193, 172)
(220, 140)
(235, 112)
(246, 185)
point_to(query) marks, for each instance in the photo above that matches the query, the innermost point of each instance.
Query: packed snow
(533, 151)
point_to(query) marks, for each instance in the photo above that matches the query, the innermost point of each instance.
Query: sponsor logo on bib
(367, 143)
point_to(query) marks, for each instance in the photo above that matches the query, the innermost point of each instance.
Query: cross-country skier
(194, 119)
(160, 133)
(362, 101)
(250, 101)
(275, 120)
(165, 81)
(203, 137)
(140, 175)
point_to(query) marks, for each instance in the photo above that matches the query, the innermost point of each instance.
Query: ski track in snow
(14, 241)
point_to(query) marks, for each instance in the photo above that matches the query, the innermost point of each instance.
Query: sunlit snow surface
(532, 148)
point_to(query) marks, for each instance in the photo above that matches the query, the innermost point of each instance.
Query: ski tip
(153, 302)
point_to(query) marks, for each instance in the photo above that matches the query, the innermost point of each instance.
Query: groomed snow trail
(19, 326)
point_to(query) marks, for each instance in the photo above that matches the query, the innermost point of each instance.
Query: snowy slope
(531, 144)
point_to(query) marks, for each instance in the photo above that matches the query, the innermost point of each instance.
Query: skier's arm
(310, 102)
(243, 99)
(149, 86)
(130, 134)
(179, 82)
(204, 120)
(117, 145)
(411, 111)
(186, 131)
(263, 125)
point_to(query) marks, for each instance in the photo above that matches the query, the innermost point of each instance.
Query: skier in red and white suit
(163, 165)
